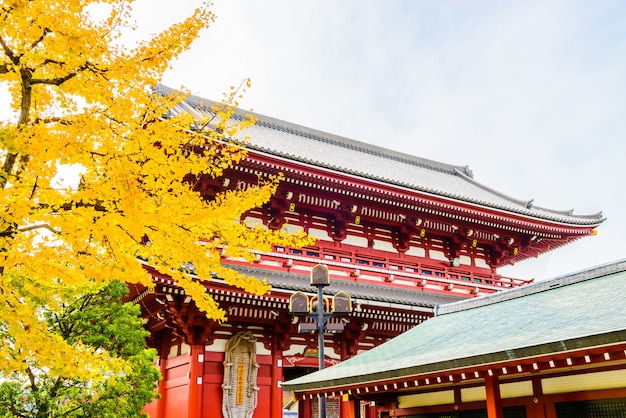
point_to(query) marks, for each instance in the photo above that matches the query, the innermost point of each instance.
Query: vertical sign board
(241, 374)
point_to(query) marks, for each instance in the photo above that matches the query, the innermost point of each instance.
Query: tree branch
(43, 35)
(9, 231)
(55, 119)
(54, 81)
(60, 80)
(15, 59)
(37, 226)
(32, 192)
(32, 378)
(70, 411)
(55, 388)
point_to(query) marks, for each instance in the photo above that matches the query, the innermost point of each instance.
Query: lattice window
(508, 412)
(605, 408)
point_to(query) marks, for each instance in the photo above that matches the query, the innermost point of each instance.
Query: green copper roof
(576, 311)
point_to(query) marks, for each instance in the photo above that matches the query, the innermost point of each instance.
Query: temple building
(398, 235)
(555, 348)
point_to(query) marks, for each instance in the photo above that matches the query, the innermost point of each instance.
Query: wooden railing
(427, 274)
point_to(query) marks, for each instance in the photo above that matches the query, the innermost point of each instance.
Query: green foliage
(103, 323)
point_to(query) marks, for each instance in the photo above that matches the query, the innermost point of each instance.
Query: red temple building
(399, 234)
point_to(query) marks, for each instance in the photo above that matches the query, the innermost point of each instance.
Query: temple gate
(398, 233)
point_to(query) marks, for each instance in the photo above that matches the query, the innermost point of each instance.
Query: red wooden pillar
(494, 403)
(196, 372)
(346, 407)
(163, 343)
(305, 408)
(160, 409)
(537, 408)
(550, 410)
(276, 392)
(356, 404)
(371, 411)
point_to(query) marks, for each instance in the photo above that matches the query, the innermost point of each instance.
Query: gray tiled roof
(344, 155)
(360, 292)
(576, 311)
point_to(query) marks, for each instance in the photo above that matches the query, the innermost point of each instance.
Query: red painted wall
(177, 387)
(211, 400)
(212, 387)
(151, 409)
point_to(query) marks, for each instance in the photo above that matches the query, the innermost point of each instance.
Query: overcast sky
(531, 95)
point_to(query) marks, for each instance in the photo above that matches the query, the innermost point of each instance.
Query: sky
(531, 95)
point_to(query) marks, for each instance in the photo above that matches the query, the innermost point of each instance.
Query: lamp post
(299, 304)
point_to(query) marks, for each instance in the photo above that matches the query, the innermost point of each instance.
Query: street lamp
(299, 304)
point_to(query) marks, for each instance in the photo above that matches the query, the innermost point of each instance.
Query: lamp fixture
(299, 304)
(320, 275)
(334, 327)
(342, 303)
(307, 328)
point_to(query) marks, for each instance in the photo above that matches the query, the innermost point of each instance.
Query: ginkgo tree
(102, 322)
(83, 100)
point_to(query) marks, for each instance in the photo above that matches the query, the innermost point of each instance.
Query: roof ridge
(349, 143)
(537, 287)
(318, 135)
(527, 203)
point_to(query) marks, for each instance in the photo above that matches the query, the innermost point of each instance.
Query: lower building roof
(572, 312)
(368, 293)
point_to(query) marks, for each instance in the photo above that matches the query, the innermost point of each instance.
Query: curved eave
(557, 219)
(525, 356)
